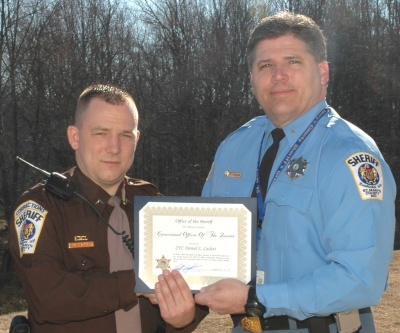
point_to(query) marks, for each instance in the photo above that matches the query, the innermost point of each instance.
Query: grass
(12, 299)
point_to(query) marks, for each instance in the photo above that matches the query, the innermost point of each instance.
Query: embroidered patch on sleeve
(29, 218)
(367, 173)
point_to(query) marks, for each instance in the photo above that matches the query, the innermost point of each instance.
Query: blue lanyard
(260, 204)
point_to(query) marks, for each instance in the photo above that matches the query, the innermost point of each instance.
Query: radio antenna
(47, 174)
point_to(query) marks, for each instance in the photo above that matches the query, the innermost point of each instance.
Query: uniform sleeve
(358, 233)
(56, 294)
(151, 318)
(200, 314)
(233, 171)
(209, 183)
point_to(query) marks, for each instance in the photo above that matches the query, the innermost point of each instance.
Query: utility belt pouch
(318, 325)
(348, 322)
(251, 324)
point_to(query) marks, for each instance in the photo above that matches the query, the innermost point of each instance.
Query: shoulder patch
(367, 173)
(29, 218)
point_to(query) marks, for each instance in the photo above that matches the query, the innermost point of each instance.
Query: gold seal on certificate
(206, 239)
(163, 263)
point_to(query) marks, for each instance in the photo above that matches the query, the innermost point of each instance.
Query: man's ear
(324, 72)
(137, 136)
(73, 137)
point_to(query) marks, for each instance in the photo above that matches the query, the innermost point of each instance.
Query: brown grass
(386, 313)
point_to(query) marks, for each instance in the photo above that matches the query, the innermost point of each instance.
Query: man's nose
(279, 72)
(114, 145)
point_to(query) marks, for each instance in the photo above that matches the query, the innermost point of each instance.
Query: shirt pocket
(230, 186)
(79, 261)
(291, 195)
(288, 219)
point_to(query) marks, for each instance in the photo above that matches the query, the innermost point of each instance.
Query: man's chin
(111, 179)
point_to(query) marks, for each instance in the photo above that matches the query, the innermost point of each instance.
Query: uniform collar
(93, 192)
(298, 126)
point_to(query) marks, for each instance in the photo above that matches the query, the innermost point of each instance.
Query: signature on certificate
(187, 268)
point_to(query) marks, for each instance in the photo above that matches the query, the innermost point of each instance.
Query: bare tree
(17, 20)
(200, 83)
(184, 62)
(50, 51)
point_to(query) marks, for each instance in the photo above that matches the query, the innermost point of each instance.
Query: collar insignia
(296, 168)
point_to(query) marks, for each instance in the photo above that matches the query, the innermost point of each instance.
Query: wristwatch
(253, 306)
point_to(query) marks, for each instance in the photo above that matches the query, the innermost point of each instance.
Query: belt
(313, 324)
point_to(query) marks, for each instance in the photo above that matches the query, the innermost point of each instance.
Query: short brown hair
(286, 23)
(106, 92)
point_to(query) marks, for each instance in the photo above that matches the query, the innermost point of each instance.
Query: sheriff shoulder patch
(367, 173)
(29, 218)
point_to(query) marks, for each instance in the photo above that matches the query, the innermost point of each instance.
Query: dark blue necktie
(268, 160)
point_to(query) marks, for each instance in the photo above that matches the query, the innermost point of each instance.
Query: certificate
(206, 239)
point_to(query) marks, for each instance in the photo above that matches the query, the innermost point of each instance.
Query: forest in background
(184, 63)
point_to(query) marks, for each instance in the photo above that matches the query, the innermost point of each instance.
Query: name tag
(233, 174)
(79, 245)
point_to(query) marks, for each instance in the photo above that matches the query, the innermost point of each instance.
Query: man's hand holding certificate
(206, 239)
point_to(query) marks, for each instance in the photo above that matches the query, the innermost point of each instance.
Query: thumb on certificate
(225, 296)
(201, 298)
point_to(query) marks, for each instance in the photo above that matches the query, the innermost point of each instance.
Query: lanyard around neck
(260, 203)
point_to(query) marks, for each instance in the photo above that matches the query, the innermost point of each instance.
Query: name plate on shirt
(206, 239)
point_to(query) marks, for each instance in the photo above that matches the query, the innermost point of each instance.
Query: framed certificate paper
(206, 239)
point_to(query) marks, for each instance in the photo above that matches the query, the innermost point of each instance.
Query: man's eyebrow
(104, 128)
(287, 57)
(262, 61)
(99, 128)
(293, 57)
(128, 131)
